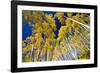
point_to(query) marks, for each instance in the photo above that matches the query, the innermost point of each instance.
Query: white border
(53, 63)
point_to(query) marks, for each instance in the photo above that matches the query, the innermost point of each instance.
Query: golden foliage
(43, 43)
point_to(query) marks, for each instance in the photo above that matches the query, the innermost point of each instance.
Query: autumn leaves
(43, 45)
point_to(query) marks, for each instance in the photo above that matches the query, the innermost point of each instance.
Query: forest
(55, 36)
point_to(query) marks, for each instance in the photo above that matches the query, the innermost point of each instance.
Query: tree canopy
(73, 41)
